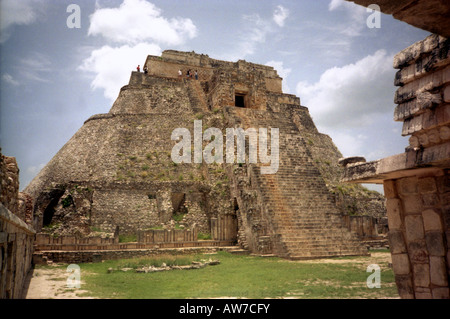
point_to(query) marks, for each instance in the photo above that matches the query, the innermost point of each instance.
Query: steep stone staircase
(302, 220)
(196, 95)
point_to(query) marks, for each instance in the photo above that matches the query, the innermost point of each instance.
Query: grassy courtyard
(238, 277)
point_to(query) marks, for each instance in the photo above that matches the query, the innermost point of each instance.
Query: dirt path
(51, 283)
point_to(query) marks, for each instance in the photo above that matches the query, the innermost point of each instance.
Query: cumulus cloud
(280, 15)
(132, 31)
(350, 95)
(136, 21)
(354, 105)
(14, 12)
(112, 66)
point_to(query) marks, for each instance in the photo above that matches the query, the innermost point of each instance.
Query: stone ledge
(397, 166)
(6, 215)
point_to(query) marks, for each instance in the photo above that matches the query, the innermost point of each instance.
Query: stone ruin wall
(417, 182)
(419, 233)
(171, 61)
(16, 236)
(419, 206)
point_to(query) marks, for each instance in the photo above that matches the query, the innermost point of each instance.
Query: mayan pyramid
(117, 170)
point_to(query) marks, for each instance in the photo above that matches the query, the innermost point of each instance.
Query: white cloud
(112, 66)
(356, 14)
(137, 28)
(349, 96)
(35, 67)
(280, 15)
(137, 21)
(255, 31)
(282, 72)
(9, 79)
(16, 12)
(350, 103)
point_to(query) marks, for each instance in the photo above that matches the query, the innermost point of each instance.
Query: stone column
(418, 209)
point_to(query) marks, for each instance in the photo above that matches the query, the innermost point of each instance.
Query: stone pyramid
(118, 169)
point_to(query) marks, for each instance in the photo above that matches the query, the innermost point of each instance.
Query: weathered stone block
(431, 220)
(400, 263)
(445, 199)
(446, 93)
(430, 200)
(393, 207)
(426, 185)
(407, 186)
(404, 286)
(421, 275)
(414, 228)
(412, 204)
(444, 133)
(441, 293)
(396, 242)
(438, 271)
(390, 190)
(435, 243)
(418, 252)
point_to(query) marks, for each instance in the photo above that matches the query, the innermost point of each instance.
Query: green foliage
(203, 236)
(96, 229)
(128, 238)
(67, 201)
(178, 217)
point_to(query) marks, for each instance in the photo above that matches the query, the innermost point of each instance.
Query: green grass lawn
(238, 276)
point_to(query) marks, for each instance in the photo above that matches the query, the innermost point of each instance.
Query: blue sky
(52, 77)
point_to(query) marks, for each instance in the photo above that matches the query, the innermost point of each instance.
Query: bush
(128, 238)
(66, 202)
(203, 236)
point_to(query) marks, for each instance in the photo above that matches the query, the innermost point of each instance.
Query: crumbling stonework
(430, 15)
(16, 236)
(417, 182)
(117, 170)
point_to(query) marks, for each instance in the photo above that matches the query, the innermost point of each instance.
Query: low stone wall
(364, 226)
(167, 236)
(16, 234)
(75, 257)
(16, 250)
(70, 249)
